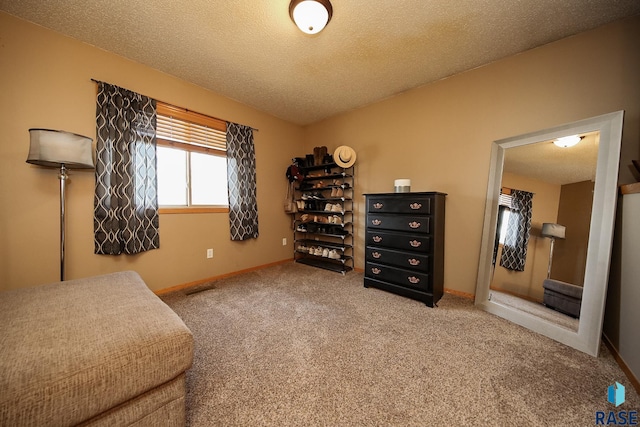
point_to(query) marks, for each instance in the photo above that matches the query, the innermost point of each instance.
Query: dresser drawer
(408, 278)
(416, 224)
(409, 260)
(396, 240)
(408, 204)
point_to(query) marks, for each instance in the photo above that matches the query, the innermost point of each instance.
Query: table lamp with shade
(61, 150)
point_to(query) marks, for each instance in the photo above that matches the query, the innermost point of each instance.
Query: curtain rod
(511, 189)
(217, 118)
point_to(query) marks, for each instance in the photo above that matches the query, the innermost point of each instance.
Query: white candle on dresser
(402, 185)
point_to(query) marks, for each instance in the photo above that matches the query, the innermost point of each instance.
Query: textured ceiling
(546, 162)
(250, 50)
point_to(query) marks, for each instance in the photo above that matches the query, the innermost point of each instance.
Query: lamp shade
(311, 16)
(553, 230)
(53, 148)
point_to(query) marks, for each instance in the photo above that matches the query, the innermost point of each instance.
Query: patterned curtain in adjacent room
(514, 250)
(241, 177)
(126, 201)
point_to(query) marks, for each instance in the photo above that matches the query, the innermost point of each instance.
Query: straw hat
(344, 156)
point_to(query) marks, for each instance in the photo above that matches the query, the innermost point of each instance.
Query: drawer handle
(414, 261)
(376, 255)
(414, 224)
(413, 279)
(376, 270)
(377, 239)
(378, 205)
(376, 222)
(415, 243)
(415, 206)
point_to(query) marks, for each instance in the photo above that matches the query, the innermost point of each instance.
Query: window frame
(505, 199)
(198, 119)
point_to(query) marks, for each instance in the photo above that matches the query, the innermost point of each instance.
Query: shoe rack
(323, 227)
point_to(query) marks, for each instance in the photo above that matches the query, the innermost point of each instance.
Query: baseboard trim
(460, 293)
(222, 276)
(632, 379)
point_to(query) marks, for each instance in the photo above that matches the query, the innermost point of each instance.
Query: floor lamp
(552, 231)
(60, 150)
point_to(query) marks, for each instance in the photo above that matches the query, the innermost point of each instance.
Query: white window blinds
(179, 127)
(505, 200)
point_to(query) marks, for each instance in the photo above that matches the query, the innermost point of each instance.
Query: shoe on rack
(341, 231)
(322, 153)
(316, 156)
(301, 228)
(311, 250)
(308, 160)
(318, 251)
(325, 252)
(337, 220)
(336, 208)
(333, 254)
(339, 192)
(328, 207)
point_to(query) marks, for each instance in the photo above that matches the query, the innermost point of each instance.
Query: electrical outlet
(284, 241)
(209, 253)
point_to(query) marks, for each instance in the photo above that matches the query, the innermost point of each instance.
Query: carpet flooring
(292, 345)
(537, 309)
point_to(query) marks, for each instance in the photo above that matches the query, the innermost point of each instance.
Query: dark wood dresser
(404, 241)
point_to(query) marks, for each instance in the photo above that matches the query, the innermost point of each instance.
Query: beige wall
(45, 82)
(574, 212)
(528, 283)
(440, 135)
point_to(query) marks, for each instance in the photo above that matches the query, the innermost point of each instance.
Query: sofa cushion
(72, 350)
(568, 289)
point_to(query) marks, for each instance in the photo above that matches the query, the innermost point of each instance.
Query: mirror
(512, 285)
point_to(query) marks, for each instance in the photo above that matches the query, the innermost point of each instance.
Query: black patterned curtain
(514, 250)
(241, 177)
(126, 199)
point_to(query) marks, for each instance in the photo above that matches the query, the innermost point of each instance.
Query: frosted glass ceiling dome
(311, 16)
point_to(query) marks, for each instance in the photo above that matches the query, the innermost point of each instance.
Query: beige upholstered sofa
(98, 351)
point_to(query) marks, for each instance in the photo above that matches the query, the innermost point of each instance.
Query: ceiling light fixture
(567, 141)
(311, 16)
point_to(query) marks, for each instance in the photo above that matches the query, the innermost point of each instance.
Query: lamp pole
(63, 179)
(553, 240)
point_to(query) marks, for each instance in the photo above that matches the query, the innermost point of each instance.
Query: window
(505, 203)
(192, 161)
